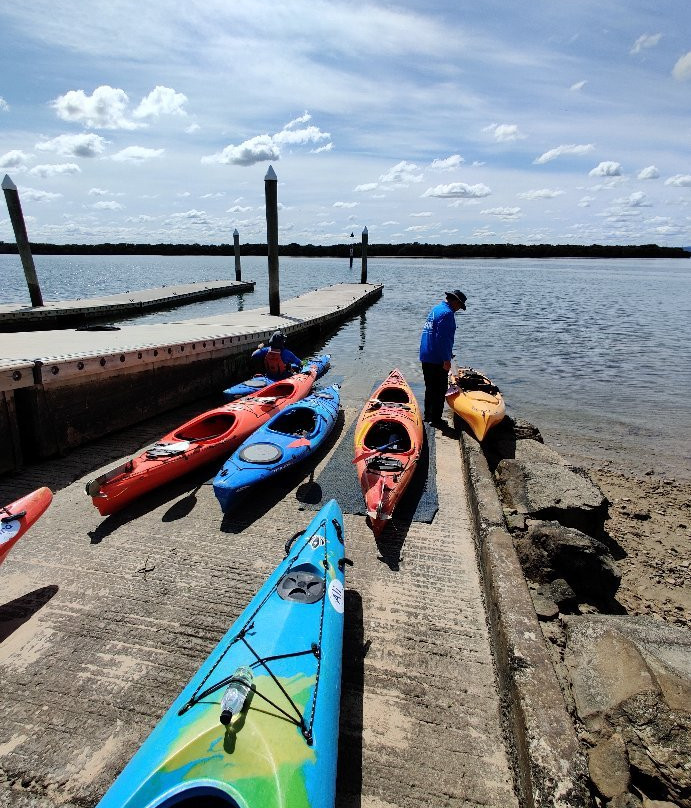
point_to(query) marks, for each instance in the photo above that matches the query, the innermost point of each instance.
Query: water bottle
(236, 693)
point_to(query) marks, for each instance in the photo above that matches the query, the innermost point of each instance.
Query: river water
(596, 353)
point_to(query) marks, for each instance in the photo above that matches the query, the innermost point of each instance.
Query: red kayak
(213, 435)
(388, 442)
(17, 518)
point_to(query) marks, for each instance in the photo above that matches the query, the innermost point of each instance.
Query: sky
(439, 121)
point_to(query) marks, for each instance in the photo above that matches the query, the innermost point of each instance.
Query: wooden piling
(236, 250)
(363, 272)
(271, 195)
(17, 218)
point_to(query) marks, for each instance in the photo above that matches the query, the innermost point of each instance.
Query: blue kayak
(257, 727)
(287, 438)
(260, 381)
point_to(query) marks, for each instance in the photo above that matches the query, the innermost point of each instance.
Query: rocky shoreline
(606, 557)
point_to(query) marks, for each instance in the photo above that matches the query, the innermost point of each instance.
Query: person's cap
(278, 339)
(459, 296)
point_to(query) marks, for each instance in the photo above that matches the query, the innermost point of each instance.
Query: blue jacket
(436, 344)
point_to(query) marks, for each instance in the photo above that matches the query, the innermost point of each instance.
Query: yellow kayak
(476, 400)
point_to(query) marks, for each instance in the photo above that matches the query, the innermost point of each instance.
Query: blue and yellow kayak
(259, 381)
(280, 749)
(284, 440)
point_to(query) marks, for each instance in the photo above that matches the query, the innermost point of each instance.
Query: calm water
(596, 353)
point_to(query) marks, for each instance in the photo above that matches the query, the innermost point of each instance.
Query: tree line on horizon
(409, 250)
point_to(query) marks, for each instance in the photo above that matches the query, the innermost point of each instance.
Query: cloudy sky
(564, 121)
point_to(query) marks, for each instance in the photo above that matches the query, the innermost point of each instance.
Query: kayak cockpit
(391, 434)
(393, 395)
(214, 426)
(198, 796)
(298, 421)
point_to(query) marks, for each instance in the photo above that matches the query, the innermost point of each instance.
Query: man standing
(436, 350)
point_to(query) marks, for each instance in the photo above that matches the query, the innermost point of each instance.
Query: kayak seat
(393, 395)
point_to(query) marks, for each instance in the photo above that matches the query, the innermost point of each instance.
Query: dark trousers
(436, 385)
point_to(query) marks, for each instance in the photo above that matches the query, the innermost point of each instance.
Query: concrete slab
(102, 622)
(17, 316)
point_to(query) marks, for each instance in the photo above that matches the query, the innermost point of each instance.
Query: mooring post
(14, 207)
(271, 194)
(236, 250)
(363, 272)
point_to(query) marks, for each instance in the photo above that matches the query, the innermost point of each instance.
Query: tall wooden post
(236, 250)
(271, 194)
(363, 272)
(17, 218)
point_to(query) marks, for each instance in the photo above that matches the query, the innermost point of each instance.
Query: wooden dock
(59, 389)
(67, 313)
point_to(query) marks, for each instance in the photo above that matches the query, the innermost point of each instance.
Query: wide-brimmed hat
(459, 296)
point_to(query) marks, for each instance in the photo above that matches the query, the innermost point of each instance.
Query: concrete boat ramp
(64, 313)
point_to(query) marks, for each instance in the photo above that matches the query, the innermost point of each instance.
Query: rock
(647, 803)
(545, 607)
(562, 593)
(626, 800)
(632, 676)
(608, 765)
(515, 521)
(537, 481)
(548, 551)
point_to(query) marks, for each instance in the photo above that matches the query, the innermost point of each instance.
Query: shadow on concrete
(261, 498)
(188, 485)
(15, 613)
(349, 777)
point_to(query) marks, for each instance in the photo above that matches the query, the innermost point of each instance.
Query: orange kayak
(388, 440)
(17, 518)
(476, 400)
(213, 435)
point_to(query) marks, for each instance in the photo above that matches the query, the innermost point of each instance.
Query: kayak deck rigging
(298, 718)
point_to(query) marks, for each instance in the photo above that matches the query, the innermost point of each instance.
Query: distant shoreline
(409, 250)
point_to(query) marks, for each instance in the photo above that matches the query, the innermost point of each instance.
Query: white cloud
(503, 213)
(456, 190)
(4, 106)
(239, 209)
(104, 109)
(34, 195)
(417, 228)
(579, 85)
(345, 204)
(136, 154)
(55, 170)
(585, 201)
(309, 134)
(540, 193)
(390, 223)
(97, 192)
(401, 175)
(447, 163)
(263, 148)
(107, 206)
(83, 145)
(422, 215)
(15, 159)
(648, 173)
(504, 132)
(367, 186)
(645, 41)
(607, 168)
(558, 151)
(682, 69)
(161, 101)
(326, 148)
(679, 181)
(255, 150)
(191, 217)
(636, 200)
